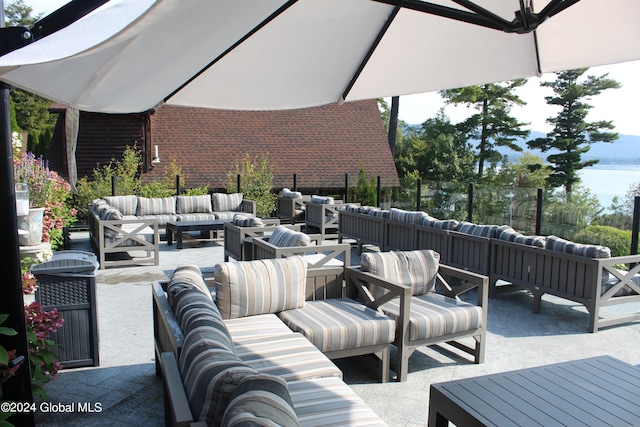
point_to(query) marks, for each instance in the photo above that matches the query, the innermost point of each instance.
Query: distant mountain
(623, 151)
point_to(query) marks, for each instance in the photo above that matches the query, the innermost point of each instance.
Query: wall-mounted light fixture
(156, 158)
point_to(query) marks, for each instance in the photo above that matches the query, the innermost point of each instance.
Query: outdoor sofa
(239, 234)
(226, 358)
(586, 274)
(122, 224)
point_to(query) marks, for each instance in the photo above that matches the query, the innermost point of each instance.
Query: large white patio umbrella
(132, 55)
(274, 54)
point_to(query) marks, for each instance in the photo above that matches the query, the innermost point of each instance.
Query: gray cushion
(284, 237)
(417, 269)
(242, 220)
(434, 315)
(156, 206)
(127, 205)
(210, 377)
(507, 233)
(260, 400)
(227, 202)
(246, 288)
(488, 231)
(193, 204)
(340, 324)
(322, 200)
(558, 244)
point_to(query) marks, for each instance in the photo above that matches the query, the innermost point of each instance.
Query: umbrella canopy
(132, 55)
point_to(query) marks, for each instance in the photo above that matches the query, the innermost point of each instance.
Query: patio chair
(429, 310)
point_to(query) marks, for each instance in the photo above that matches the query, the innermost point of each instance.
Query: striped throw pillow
(477, 230)
(291, 194)
(417, 269)
(260, 400)
(322, 200)
(559, 244)
(284, 237)
(127, 205)
(265, 286)
(156, 206)
(242, 220)
(507, 233)
(227, 202)
(193, 204)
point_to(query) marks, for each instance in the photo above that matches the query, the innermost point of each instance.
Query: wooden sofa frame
(572, 277)
(169, 338)
(238, 240)
(129, 236)
(405, 346)
(324, 217)
(363, 228)
(288, 208)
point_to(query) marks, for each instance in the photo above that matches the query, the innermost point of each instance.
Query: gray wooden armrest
(264, 249)
(176, 405)
(358, 282)
(248, 206)
(471, 281)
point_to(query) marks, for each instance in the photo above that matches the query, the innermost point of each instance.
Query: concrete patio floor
(129, 393)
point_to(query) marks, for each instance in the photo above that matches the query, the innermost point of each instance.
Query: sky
(622, 106)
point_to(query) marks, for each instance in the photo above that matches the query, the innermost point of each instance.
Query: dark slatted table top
(599, 391)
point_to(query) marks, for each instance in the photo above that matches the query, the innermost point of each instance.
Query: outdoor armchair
(429, 310)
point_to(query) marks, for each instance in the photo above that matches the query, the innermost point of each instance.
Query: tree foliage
(492, 125)
(256, 182)
(571, 135)
(31, 111)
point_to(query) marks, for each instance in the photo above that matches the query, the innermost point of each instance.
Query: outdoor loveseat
(121, 224)
(228, 358)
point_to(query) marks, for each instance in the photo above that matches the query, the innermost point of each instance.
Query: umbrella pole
(18, 387)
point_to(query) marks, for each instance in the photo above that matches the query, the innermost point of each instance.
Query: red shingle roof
(318, 144)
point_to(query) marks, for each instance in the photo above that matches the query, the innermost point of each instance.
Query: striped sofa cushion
(554, 243)
(187, 276)
(242, 220)
(156, 206)
(260, 400)
(262, 326)
(290, 356)
(417, 269)
(193, 204)
(110, 214)
(227, 202)
(127, 205)
(434, 315)
(411, 217)
(291, 194)
(284, 237)
(339, 324)
(194, 311)
(332, 401)
(322, 200)
(210, 376)
(447, 224)
(477, 230)
(507, 233)
(264, 286)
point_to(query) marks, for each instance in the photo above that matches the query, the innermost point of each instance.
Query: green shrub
(365, 193)
(256, 182)
(619, 241)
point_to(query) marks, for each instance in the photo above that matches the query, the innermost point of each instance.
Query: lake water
(607, 181)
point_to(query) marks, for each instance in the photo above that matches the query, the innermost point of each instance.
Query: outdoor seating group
(586, 274)
(120, 225)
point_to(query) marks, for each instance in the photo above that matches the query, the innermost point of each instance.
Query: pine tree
(571, 135)
(492, 126)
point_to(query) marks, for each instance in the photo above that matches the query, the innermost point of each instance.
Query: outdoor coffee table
(599, 391)
(179, 227)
